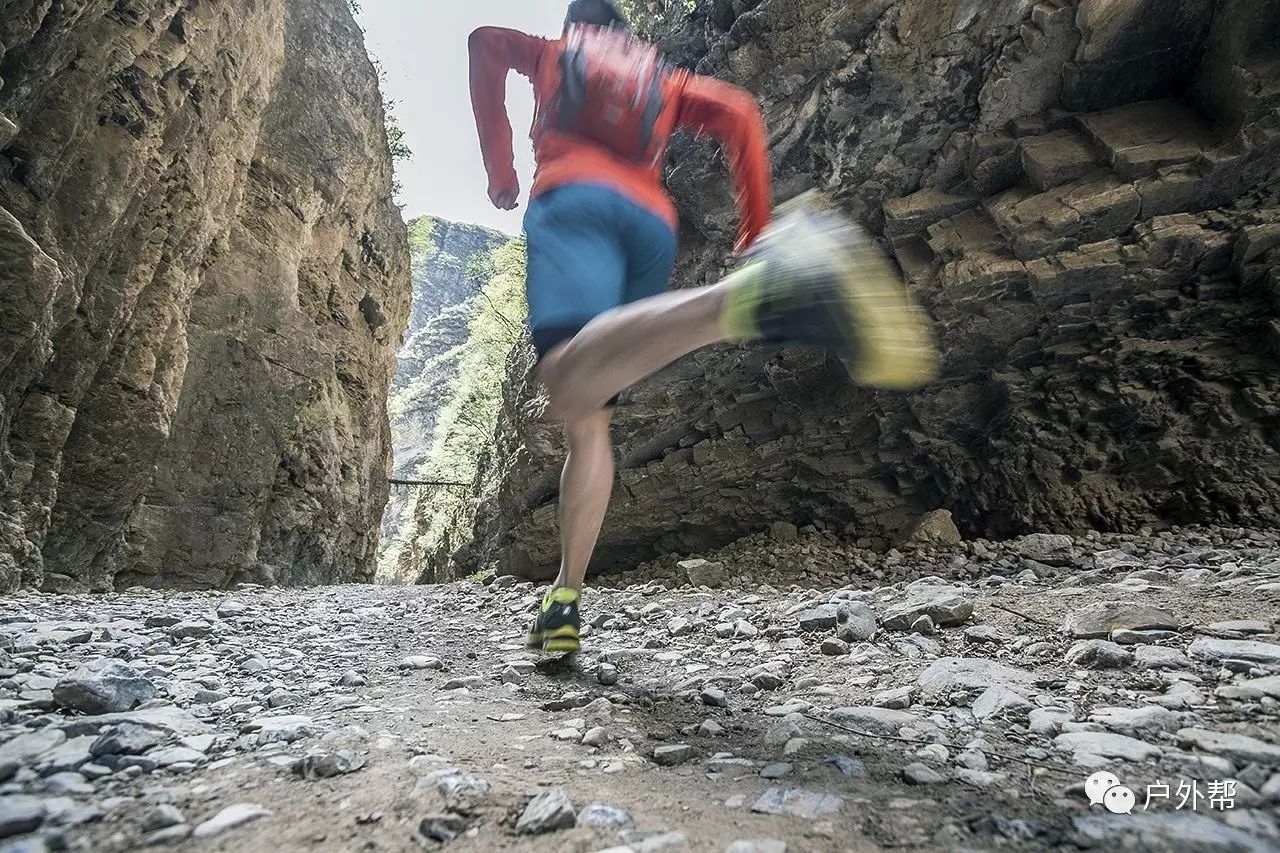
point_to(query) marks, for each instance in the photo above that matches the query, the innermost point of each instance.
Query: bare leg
(622, 346)
(585, 485)
(613, 351)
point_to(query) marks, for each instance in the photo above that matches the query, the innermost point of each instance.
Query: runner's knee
(588, 430)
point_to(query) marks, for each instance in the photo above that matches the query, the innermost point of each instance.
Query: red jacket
(705, 105)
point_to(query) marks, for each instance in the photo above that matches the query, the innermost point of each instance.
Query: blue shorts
(590, 249)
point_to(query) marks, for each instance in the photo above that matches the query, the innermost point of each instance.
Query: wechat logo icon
(1104, 788)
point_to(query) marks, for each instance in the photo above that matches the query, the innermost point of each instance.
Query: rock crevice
(452, 262)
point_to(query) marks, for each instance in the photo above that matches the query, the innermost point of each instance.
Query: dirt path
(452, 728)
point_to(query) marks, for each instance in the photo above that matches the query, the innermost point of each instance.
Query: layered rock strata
(1084, 196)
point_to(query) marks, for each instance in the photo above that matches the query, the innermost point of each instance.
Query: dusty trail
(447, 726)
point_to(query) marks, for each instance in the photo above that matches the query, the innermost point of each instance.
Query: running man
(601, 235)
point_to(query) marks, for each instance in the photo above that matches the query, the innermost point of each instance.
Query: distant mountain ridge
(451, 261)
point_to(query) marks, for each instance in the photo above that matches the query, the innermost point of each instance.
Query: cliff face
(451, 262)
(1084, 196)
(205, 280)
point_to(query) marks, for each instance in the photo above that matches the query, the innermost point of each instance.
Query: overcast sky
(422, 47)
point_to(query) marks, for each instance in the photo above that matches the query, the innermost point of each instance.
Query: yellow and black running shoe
(556, 627)
(816, 279)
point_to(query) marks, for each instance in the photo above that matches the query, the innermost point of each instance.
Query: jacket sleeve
(493, 52)
(731, 115)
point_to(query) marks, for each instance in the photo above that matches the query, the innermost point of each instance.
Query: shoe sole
(895, 349)
(562, 639)
(884, 330)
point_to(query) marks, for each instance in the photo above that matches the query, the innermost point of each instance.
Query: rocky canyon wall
(1083, 194)
(204, 282)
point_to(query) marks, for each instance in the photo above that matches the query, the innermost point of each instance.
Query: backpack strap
(573, 75)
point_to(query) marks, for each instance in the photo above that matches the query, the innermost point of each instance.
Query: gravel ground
(951, 698)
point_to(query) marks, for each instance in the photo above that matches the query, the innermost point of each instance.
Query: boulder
(1099, 620)
(1216, 649)
(945, 606)
(111, 686)
(1053, 549)
(1092, 748)
(932, 528)
(872, 718)
(547, 812)
(949, 675)
(1098, 654)
(704, 573)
